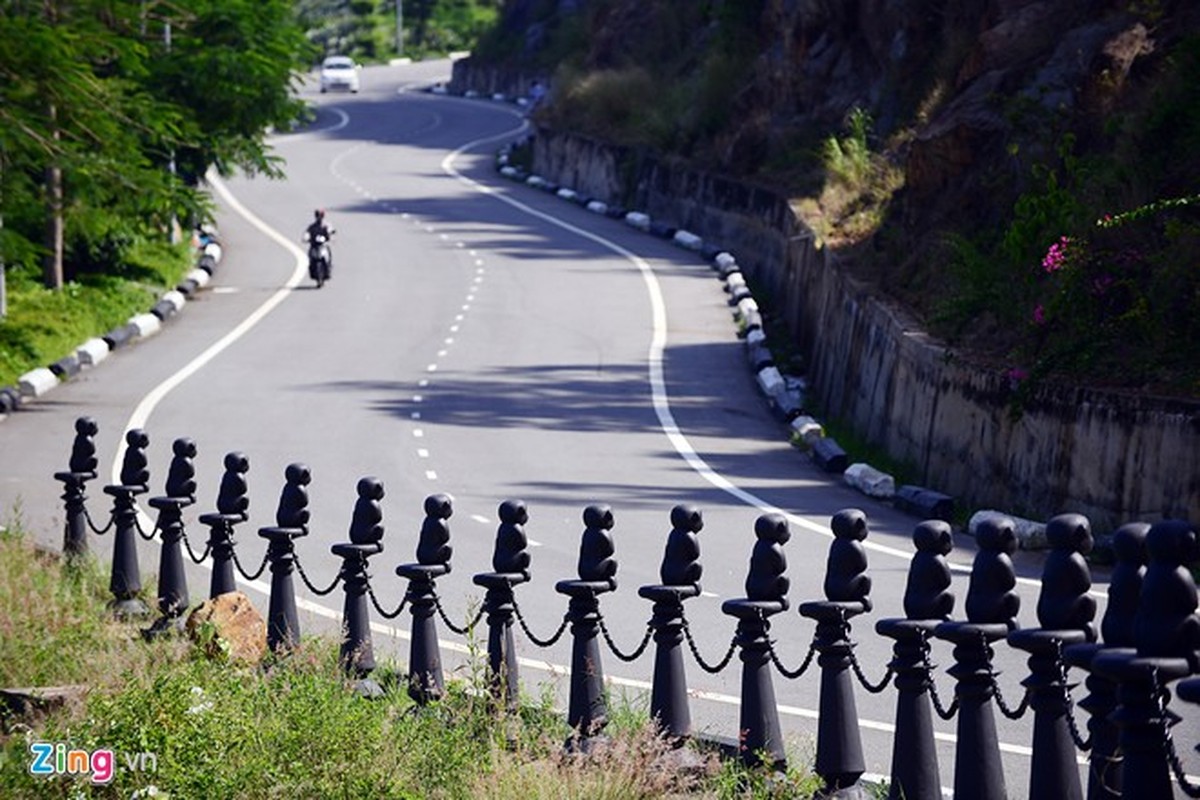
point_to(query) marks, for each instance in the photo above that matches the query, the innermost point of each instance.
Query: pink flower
(1039, 315)
(1056, 257)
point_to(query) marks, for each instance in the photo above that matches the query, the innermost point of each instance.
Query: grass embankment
(43, 325)
(293, 729)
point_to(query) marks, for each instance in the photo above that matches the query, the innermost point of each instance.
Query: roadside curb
(40, 381)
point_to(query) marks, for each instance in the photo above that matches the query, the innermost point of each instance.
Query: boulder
(235, 621)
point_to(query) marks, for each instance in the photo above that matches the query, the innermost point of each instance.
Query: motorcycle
(319, 258)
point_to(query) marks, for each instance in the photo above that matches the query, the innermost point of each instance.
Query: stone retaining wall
(1108, 455)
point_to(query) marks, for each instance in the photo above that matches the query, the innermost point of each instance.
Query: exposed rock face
(236, 622)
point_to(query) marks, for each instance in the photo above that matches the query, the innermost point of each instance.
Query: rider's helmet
(319, 214)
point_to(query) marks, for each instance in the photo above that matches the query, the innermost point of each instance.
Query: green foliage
(44, 325)
(847, 158)
(294, 727)
(366, 29)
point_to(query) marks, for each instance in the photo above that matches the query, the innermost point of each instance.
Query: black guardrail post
(510, 568)
(172, 581)
(1167, 631)
(840, 761)
(927, 602)
(680, 575)
(1065, 612)
(992, 607)
(1116, 628)
(81, 469)
(126, 581)
(357, 654)
(291, 522)
(425, 679)
(232, 507)
(761, 740)
(587, 713)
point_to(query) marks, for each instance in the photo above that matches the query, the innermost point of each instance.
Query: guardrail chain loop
(704, 665)
(463, 631)
(261, 567)
(337, 579)
(383, 612)
(637, 652)
(945, 712)
(192, 553)
(541, 642)
(1161, 694)
(1004, 707)
(87, 515)
(1084, 744)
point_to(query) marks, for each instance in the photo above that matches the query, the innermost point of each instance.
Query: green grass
(295, 728)
(43, 326)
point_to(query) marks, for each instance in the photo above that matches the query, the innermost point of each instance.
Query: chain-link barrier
(945, 712)
(87, 515)
(191, 553)
(1084, 744)
(704, 665)
(637, 652)
(1160, 696)
(382, 611)
(337, 579)
(541, 642)
(1004, 707)
(261, 567)
(463, 631)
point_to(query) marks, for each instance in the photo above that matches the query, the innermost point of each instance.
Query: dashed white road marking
(480, 518)
(418, 433)
(422, 453)
(431, 475)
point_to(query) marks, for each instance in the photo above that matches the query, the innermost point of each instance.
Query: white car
(339, 72)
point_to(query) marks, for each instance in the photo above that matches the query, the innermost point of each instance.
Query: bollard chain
(137, 525)
(87, 515)
(1084, 744)
(382, 611)
(318, 592)
(1005, 709)
(872, 688)
(945, 712)
(541, 642)
(704, 665)
(804, 665)
(875, 688)
(1160, 696)
(242, 570)
(641, 648)
(191, 553)
(437, 603)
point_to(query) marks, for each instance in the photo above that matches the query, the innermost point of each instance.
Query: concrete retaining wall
(1111, 456)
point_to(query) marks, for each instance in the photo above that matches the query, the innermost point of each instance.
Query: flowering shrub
(1126, 292)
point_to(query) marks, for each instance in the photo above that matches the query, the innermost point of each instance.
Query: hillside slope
(1022, 174)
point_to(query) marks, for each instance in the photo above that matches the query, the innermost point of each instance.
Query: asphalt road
(488, 341)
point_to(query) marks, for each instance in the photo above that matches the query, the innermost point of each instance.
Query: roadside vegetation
(294, 727)
(366, 29)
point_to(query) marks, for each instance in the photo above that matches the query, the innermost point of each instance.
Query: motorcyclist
(318, 227)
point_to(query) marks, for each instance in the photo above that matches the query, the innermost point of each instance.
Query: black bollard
(425, 681)
(991, 615)
(510, 567)
(357, 655)
(680, 575)
(761, 740)
(1167, 633)
(1124, 590)
(82, 469)
(1065, 612)
(840, 760)
(587, 713)
(291, 522)
(232, 505)
(172, 582)
(126, 581)
(927, 602)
